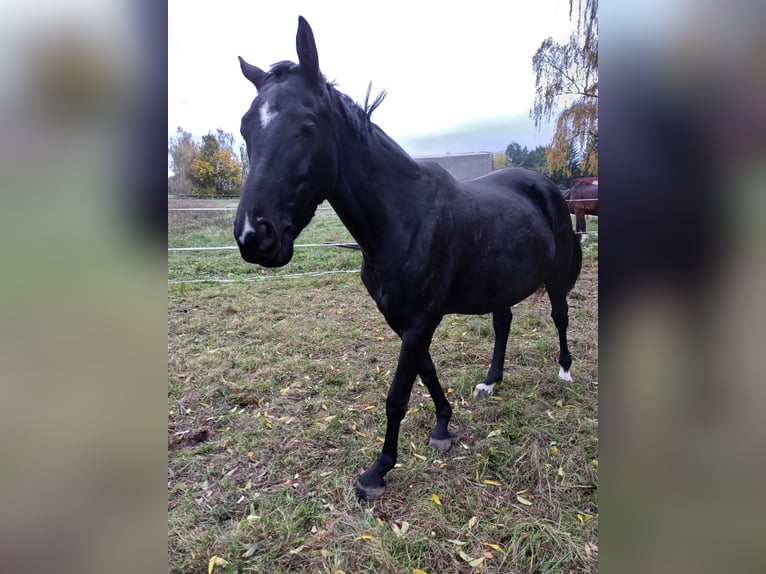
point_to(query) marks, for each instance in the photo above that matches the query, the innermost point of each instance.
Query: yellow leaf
(456, 542)
(368, 408)
(215, 561)
(594, 462)
(472, 522)
(465, 556)
(523, 500)
(419, 571)
(297, 550)
(436, 499)
(420, 456)
(492, 483)
(554, 450)
(494, 546)
(250, 454)
(365, 537)
(476, 563)
(583, 518)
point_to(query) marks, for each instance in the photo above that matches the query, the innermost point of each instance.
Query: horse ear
(252, 73)
(307, 49)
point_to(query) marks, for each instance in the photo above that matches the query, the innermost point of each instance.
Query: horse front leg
(415, 343)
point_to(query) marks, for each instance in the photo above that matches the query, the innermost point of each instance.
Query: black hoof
(440, 444)
(364, 492)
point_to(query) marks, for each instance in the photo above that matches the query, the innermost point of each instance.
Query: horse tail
(575, 264)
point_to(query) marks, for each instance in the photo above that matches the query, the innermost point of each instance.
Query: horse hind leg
(440, 440)
(581, 229)
(560, 315)
(501, 322)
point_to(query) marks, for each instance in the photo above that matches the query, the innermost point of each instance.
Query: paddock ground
(276, 389)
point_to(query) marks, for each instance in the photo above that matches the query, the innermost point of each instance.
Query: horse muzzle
(262, 243)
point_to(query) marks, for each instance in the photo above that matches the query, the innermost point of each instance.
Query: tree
(244, 161)
(499, 160)
(519, 156)
(183, 150)
(566, 77)
(216, 170)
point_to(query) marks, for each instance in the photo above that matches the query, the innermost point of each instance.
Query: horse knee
(396, 408)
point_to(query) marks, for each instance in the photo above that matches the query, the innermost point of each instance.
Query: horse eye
(308, 127)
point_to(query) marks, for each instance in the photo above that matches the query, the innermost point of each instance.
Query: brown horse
(582, 199)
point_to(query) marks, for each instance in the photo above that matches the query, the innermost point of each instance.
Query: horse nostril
(258, 238)
(265, 236)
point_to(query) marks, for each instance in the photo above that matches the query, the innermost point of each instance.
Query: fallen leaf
(365, 537)
(465, 556)
(492, 483)
(494, 546)
(435, 498)
(476, 563)
(523, 500)
(215, 561)
(554, 450)
(472, 522)
(456, 542)
(494, 433)
(297, 550)
(419, 571)
(400, 531)
(583, 518)
(420, 456)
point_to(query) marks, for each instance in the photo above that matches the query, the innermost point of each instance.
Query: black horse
(430, 245)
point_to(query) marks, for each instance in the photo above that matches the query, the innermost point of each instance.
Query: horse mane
(369, 108)
(358, 117)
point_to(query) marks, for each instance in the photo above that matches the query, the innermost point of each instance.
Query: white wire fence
(319, 273)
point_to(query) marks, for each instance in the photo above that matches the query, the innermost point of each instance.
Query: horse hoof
(364, 492)
(440, 444)
(481, 390)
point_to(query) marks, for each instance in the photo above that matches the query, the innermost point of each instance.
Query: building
(462, 166)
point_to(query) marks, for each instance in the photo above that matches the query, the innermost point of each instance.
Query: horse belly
(500, 280)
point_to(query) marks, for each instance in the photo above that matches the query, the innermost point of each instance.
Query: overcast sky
(458, 75)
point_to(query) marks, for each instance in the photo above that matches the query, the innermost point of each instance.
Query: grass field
(276, 404)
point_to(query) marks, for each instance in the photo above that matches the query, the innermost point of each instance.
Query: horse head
(292, 152)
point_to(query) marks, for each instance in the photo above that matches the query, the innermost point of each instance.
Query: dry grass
(276, 393)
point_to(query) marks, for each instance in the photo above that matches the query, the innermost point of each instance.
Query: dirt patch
(189, 438)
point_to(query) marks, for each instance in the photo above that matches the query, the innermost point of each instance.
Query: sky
(458, 76)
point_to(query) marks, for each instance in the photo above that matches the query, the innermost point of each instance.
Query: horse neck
(374, 177)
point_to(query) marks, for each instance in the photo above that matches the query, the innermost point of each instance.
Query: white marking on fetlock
(565, 375)
(482, 390)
